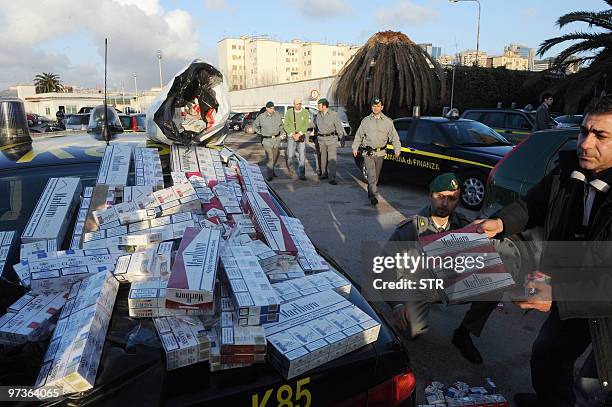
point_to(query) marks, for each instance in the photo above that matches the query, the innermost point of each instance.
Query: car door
(517, 127)
(428, 149)
(496, 121)
(393, 163)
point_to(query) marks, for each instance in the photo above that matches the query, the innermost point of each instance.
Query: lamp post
(159, 58)
(136, 93)
(477, 28)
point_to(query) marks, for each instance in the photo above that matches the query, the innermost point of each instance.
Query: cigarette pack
(73, 355)
(284, 270)
(31, 318)
(251, 177)
(183, 159)
(42, 246)
(133, 267)
(265, 255)
(115, 166)
(185, 340)
(313, 283)
(53, 212)
(246, 343)
(147, 168)
(227, 197)
(215, 356)
(268, 222)
(79, 225)
(8, 249)
(46, 281)
(309, 259)
(192, 280)
(136, 193)
(315, 329)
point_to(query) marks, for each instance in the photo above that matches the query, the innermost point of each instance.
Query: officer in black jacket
(574, 205)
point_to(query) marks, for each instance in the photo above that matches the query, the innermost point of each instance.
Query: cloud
(135, 30)
(528, 12)
(404, 13)
(323, 9)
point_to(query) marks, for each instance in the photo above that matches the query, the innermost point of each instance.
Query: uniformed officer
(327, 129)
(373, 134)
(269, 125)
(440, 216)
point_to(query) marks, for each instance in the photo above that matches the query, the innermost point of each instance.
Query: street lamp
(478, 27)
(159, 57)
(136, 93)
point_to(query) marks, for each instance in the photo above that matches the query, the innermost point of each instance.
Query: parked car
(77, 122)
(434, 145)
(567, 121)
(86, 109)
(133, 122)
(513, 124)
(236, 121)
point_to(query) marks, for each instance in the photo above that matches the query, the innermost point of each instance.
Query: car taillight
(494, 169)
(393, 391)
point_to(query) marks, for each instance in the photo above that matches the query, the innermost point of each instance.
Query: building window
(233, 47)
(47, 111)
(71, 109)
(334, 53)
(333, 62)
(287, 59)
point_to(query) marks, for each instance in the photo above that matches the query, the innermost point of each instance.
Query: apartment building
(510, 60)
(468, 58)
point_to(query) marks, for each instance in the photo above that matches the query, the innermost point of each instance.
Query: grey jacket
(542, 118)
(268, 125)
(376, 133)
(328, 123)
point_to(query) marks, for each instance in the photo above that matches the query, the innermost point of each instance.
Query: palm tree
(394, 68)
(48, 82)
(590, 50)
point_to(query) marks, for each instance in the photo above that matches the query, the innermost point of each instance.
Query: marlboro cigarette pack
(53, 212)
(246, 343)
(62, 279)
(30, 318)
(147, 168)
(215, 356)
(268, 222)
(184, 339)
(115, 166)
(133, 267)
(300, 287)
(211, 166)
(192, 280)
(79, 225)
(251, 177)
(227, 197)
(73, 355)
(315, 329)
(309, 259)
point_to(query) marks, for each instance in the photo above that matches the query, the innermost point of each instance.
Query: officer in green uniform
(440, 216)
(269, 125)
(373, 134)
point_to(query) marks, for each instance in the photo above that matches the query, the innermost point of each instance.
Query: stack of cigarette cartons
(239, 344)
(53, 212)
(31, 318)
(251, 177)
(185, 340)
(115, 166)
(309, 259)
(137, 193)
(148, 168)
(192, 280)
(215, 364)
(269, 222)
(211, 166)
(315, 329)
(77, 231)
(183, 159)
(175, 199)
(73, 355)
(8, 245)
(299, 287)
(226, 194)
(151, 263)
(255, 300)
(284, 270)
(245, 225)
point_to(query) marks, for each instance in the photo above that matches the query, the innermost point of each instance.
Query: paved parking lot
(339, 219)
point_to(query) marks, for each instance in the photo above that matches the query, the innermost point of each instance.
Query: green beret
(270, 104)
(323, 101)
(375, 101)
(444, 182)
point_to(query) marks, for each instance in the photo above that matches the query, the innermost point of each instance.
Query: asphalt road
(339, 219)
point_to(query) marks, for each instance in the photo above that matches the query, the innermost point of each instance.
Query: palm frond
(602, 19)
(546, 45)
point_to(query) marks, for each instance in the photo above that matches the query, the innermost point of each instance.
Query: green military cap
(375, 100)
(444, 182)
(270, 104)
(323, 101)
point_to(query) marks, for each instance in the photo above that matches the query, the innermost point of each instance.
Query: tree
(48, 82)
(394, 68)
(590, 50)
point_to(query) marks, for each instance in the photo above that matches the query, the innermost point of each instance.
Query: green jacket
(300, 124)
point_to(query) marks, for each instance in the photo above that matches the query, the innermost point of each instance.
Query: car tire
(362, 169)
(472, 190)
(236, 127)
(518, 256)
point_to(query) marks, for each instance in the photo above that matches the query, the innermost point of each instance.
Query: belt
(274, 136)
(375, 149)
(330, 134)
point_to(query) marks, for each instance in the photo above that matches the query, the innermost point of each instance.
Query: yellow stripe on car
(511, 131)
(444, 157)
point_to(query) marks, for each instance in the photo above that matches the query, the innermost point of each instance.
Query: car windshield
(126, 122)
(469, 133)
(140, 121)
(569, 119)
(78, 120)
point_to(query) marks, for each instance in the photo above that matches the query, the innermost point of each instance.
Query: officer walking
(327, 128)
(373, 134)
(269, 125)
(411, 316)
(296, 124)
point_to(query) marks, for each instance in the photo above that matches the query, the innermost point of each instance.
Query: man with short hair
(573, 203)
(439, 216)
(327, 129)
(269, 125)
(373, 134)
(297, 120)
(542, 117)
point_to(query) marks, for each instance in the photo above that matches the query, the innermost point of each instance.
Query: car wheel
(517, 255)
(362, 167)
(472, 190)
(236, 127)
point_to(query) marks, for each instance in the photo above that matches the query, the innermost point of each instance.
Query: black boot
(463, 342)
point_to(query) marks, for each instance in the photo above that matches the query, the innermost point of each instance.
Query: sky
(66, 37)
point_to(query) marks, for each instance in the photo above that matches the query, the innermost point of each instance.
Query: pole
(159, 58)
(478, 34)
(105, 131)
(453, 87)
(136, 93)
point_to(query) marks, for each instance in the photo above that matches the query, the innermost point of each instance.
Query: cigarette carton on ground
(315, 329)
(52, 214)
(30, 318)
(300, 287)
(115, 166)
(184, 339)
(192, 280)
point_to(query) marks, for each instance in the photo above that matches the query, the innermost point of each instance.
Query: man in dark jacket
(574, 205)
(542, 117)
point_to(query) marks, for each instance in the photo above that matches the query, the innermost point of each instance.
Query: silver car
(78, 122)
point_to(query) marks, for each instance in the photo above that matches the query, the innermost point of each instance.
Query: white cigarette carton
(52, 214)
(31, 318)
(8, 245)
(185, 340)
(215, 356)
(147, 168)
(268, 221)
(300, 287)
(34, 248)
(192, 281)
(77, 231)
(251, 177)
(246, 343)
(133, 267)
(315, 329)
(309, 259)
(115, 166)
(136, 193)
(183, 159)
(73, 355)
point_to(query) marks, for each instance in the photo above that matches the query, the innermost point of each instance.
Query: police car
(132, 369)
(434, 145)
(513, 124)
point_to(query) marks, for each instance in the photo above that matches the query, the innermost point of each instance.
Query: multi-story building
(446, 60)
(524, 51)
(510, 60)
(258, 61)
(468, 58)
(435, 52)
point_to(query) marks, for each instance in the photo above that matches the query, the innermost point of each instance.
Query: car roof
(435, 119)
(495, 109)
